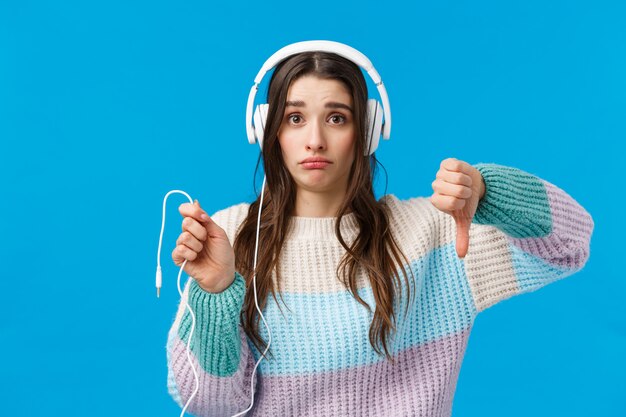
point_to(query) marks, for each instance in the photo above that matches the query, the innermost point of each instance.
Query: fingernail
(205, 217)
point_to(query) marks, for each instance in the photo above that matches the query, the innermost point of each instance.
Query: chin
(321, 185)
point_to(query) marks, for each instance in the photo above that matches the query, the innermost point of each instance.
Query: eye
(337, 119)
(294, 118)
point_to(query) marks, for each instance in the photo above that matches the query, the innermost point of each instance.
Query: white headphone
(375, 110)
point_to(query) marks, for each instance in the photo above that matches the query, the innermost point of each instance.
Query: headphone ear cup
(374, 125)
(260, 119)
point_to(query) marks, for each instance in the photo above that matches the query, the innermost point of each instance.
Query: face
(317, 134)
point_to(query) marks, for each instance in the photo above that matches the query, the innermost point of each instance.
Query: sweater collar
(322, 228)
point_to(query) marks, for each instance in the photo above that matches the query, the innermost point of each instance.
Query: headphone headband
(327, 46)
(345, 51)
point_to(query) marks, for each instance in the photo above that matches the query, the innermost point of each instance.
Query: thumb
(209, 224)
(206, 219)
(462, 236)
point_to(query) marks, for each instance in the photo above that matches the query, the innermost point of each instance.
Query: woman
(380, 296)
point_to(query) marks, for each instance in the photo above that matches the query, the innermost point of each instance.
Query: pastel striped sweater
(526, 233)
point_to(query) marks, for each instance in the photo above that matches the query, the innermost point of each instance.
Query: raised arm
(515, 231)
(525, 234)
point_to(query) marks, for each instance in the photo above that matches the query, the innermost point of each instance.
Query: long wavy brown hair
(374, 249)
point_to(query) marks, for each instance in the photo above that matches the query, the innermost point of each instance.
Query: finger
(454, 190)
(213, 228)
(447, 203)
(194, 211)
(190, 241)
(192, 226)
(455, 165)
(454, 177)
(462, 237)
(182, 253)
(205, 218)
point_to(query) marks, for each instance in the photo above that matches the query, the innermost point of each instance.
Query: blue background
(106, 106)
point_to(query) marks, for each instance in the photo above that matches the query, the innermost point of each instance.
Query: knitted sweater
(525, 234)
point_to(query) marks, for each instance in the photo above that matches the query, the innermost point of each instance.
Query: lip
(315, 162)
(315, 159)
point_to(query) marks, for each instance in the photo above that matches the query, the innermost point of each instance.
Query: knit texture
(526, 233)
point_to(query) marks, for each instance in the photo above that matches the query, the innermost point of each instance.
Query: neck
(310, 204)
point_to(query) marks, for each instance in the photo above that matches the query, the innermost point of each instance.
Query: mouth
(315, 163)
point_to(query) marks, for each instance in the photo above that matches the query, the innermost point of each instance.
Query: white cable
(158, 285)
(256, 250)
(193, 317)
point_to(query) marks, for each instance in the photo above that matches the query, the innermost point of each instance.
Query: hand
(206, 248)
(458, 189)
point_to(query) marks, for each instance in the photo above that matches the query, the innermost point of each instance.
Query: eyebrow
(329, 105)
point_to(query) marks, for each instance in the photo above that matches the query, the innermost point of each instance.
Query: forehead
(318, 89)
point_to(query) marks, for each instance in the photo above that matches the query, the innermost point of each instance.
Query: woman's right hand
(205, 246)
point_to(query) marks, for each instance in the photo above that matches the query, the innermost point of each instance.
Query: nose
(316, 137)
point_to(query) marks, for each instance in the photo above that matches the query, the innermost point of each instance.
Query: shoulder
(231, 218)
(411, 210)
(417, 224)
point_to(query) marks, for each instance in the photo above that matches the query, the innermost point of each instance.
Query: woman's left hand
(458, 189)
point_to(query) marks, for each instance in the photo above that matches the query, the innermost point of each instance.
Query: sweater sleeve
(219, 352)
(526, 233)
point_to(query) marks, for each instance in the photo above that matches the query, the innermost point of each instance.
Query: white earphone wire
(158, 285)
(193, 317)
(256, 301)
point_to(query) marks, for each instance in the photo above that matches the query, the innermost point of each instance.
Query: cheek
(286, 149)
(347, 148)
